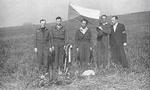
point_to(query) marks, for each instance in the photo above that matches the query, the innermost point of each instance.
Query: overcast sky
(17, 12)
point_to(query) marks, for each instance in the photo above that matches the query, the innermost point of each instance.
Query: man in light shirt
(83, 44)
(118, 40)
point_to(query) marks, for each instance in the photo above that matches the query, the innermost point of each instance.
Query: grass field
(18, 71)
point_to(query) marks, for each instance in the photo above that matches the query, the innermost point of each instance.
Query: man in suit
(118, 40)
(103, 32)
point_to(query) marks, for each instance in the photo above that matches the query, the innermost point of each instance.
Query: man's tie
(112, 28)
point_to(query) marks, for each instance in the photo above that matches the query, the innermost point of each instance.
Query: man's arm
(52, 38)
(124, 35)
(91, 41)
(99, 31)
(48, 37)
(76, 40)
(66, 36)
(35, 41)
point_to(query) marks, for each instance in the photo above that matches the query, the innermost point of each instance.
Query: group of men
(50, 44)
(111, 40)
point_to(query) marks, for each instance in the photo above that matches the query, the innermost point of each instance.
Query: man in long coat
(103, 32)
(42, 44)
(83, 43)
(118, 39)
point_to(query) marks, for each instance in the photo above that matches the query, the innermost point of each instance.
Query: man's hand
(35, 49)
(77, 49)
(124, 44)
(52, 48)
(100, 28)
(70, 46)
(91, 48)
(64, 47)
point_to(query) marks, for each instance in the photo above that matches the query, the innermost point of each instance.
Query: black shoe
(58, 82)
(52, 81)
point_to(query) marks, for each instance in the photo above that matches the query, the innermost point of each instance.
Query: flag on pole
(75, 11)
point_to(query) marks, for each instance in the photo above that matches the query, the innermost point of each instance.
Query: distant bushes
(27, 24)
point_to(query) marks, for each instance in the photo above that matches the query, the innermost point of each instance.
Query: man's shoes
(53, 81)
(58, 82)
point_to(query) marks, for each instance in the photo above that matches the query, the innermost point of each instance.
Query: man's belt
(58, 38)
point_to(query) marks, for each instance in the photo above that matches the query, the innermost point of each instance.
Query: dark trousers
(118, 56)
(59, 56)
(56, 61)
(42, 57)
(84, 55)
(102, 52)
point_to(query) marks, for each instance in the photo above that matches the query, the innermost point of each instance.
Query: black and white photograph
(74, 45)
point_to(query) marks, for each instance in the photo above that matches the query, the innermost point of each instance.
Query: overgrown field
(19, 72)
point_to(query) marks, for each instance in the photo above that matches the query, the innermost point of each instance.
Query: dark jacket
(59, 37)
(119, 36)
(42, 43)
(117, 39)
(43, 38)
(106, 31)
(83, 42)
(103, 45)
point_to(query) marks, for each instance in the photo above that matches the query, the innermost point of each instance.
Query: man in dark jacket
(42, 44)
(103, 32)
(83, 44)
(118, 39)
(58, 43)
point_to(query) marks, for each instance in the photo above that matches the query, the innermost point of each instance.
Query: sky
(18, 12)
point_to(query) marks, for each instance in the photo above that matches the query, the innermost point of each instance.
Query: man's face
(103, 19)
(83, 24)
(58, 21)
(43, 24)
(113, 20)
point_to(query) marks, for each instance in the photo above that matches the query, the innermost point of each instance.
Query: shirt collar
(116, 24)
(105, 23)
(60, 27)
(43, 29)
(82, 29)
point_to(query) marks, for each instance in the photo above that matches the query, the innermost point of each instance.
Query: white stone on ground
(88, 73)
